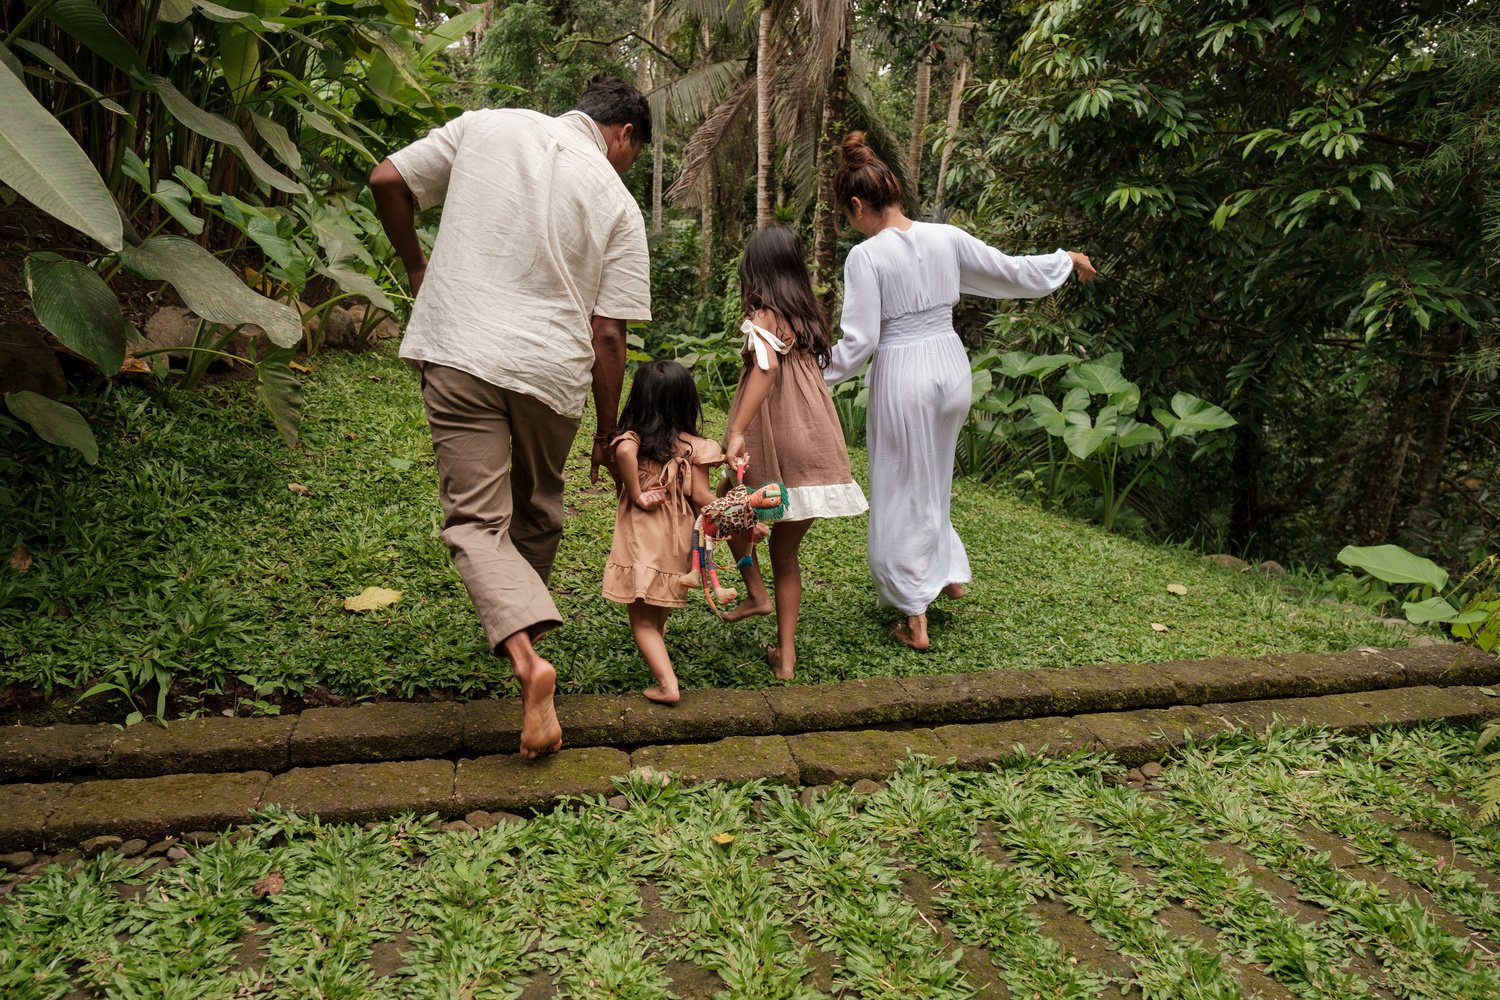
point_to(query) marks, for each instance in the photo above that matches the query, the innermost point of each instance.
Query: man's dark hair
(611, 101)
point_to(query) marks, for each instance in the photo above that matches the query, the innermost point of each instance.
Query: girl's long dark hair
(662, 404)
(773, 275)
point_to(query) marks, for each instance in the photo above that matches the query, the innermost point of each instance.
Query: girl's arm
(626, 451)
(860, 322)
(703, 493)
(748, 401)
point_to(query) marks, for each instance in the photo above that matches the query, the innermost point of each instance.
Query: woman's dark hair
(773, 275)
(662, 404)
(611, 101)
(863, 175)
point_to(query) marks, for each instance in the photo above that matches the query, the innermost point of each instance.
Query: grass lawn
(1056, 877)
(185, 555)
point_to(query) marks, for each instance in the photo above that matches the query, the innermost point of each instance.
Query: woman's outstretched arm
(983, 270)
(860, 322)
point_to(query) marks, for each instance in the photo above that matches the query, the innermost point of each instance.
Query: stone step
(392, 731)
(48, 815)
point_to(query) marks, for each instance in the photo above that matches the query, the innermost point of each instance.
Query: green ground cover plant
(770, 892)
(201, 559)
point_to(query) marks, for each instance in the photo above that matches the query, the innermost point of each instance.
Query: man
(539, 262)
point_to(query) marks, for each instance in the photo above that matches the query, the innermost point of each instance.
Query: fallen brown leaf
(20, 559)
(304, 369)
(297, 488)
(1158, 627)
(1176, 588)
(271, 885)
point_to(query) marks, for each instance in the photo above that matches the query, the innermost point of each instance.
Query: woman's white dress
(899, 291)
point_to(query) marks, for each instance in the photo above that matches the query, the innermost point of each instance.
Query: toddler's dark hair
(773, 275)
(662, 404)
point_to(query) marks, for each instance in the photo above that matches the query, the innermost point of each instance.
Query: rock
(385, 327)
(160, 848)
(95, 846)
(619, 802)
(480, 820)
(1400, 623)
(17, 861)
(1151, 769)
(1228, 562)
(176, 853)
(505, 817)
(1273, 569)
(457, 826)
(864, 786)
(9, 887)
(33, 868)
(171, 327)
(66, 858)
(1136, 776)
(807, 795)
(131, 848)
(1429, 640)
(201, 838)
(241, 835)
(28, 363)
(339, 329)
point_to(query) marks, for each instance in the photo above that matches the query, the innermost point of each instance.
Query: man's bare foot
(662, 695)
(540, 731)
(784, 668)
(955, 591)
(748, 609)
(912, 632)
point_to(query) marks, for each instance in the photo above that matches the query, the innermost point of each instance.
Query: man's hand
(1083, 267)
(603, 455)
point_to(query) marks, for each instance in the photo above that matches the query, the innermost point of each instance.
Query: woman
(900, 286)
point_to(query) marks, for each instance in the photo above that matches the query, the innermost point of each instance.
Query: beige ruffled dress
(652, 548)
(796, 439)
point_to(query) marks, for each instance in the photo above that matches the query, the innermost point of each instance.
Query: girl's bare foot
(540, 731)
(748, 609)
(663, 695)
(784, 668)
(955, 591)
(912, 632)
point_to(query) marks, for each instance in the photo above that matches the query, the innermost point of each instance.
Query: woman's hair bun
(853, 152)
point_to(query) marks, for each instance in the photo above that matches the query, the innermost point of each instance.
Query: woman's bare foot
(540, 731)
(748, 609)
(912, 632)
(784, 668)
(955, 591)
(663, 695)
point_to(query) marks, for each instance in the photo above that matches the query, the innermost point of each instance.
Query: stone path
(63, 785)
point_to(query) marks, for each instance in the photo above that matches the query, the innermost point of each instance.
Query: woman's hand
(735, 453)
(1083, 267)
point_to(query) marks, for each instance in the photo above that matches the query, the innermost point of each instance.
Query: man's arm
(397, 208)
(609, 375)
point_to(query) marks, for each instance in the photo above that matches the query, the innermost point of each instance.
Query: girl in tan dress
(663, 466)
(783, 426)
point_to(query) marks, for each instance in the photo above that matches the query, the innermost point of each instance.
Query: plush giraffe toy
(735, 513)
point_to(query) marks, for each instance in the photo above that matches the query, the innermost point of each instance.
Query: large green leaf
(221, 129)
(178, 201)
(280, 392)
(1434, 609)
(239, 60)
(49, 58)
(1019, 364)
(1098, 378)
(279, 140)
(1130, 433)
(1191, 415)
(209, 288)
(78, 308)
(1048, 417)
(448, 32)
(85, 21)
(1083, 437)
(42, 162)
(357, 283)
(1393, 564)
(54, 422)
(173, 11)
(980, 383)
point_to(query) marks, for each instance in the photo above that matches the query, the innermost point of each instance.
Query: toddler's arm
(703, 493)
(626, 451)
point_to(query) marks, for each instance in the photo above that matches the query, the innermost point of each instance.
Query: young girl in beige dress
(783, 425)
(663, 467)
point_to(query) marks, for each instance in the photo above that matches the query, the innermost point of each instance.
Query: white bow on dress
(760, 340)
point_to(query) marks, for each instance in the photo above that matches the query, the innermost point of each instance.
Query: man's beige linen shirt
(539, 235)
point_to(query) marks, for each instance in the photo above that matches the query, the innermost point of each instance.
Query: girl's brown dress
(652, 548)
(796, 439)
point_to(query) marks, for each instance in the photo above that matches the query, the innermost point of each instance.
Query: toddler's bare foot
(540, 731)
(912, 632)
(748, 609)
(783, 667)
(663, 695)
(955, 591)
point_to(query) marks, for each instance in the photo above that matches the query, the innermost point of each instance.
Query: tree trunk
(1441, 404)
(825, 227)
(920, 100)
(955, 104)
(764, 141)
(1245, 510)
(1360, 507)
(649, 65)
(706, 231)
